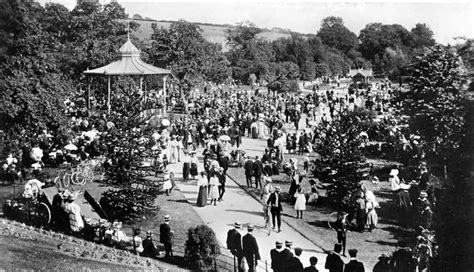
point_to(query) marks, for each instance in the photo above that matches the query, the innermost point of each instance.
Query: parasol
(165, 123)
(224, 138)
(70, 147)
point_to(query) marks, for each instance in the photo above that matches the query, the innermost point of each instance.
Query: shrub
(126, 204)
(201, 247)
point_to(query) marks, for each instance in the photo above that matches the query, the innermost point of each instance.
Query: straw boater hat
(278, 244)
(288, 243)
(277, 188)
(423, 194)
(250, 227)
(237, 225)
(167, 218)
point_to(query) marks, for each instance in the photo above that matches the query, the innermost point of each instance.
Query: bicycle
(63, 179)
(82, 174)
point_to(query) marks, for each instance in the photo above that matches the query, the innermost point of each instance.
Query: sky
(447, 19)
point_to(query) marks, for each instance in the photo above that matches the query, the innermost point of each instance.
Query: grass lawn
(315, 227)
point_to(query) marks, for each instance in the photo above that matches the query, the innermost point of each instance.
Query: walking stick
(234, 264)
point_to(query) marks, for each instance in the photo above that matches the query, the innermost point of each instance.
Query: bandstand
(129, 64)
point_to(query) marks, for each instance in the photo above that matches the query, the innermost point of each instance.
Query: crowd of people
(216, 121)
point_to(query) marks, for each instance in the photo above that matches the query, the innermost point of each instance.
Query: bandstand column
(164, 95)
(108, 95)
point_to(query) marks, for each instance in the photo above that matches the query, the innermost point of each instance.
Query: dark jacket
(277, 263)
(257, 168)
(250, 248)
(382, 266)
(248, 166)
(272, 201)
(354, 266)
(295, 265)
(310, 269)
(334, 263)
(234, 242)
(165, 234)
(286, 256)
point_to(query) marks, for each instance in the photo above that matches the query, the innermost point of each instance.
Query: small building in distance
(361, 75)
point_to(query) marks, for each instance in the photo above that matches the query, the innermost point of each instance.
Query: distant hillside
(211, 32)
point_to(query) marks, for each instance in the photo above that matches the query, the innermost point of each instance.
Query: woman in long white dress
(214, 191)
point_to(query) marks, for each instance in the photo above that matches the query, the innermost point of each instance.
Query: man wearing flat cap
(383, 264)
(250, 248)
(354, 265)
(166, 236)
(334, 262)
(277, 264)
(295, 264)
(234, 242)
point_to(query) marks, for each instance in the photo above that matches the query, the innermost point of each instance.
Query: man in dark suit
(250, 249)
(248, 166)
(257, 172)
(274, 200)
(334, 262)
(166, 237)
(312, 267)
(354, 265)
(276, 256)
(295, 264)
(234, 242)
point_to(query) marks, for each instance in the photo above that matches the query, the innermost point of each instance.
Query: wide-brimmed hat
(250, 227)
(278, 243)
(394, 172)
(288, 243)
(237, 225)
(404, 186)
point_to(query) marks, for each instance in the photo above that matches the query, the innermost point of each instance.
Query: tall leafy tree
(339, 147)
(191, 58)
(435, 101)
(334, 34)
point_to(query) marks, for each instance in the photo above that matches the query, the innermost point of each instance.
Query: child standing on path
(300, 204)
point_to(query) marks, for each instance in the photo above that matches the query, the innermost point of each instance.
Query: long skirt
(194, 169)
(186, 170)
(202, 196)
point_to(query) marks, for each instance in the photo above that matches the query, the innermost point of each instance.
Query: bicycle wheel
(332, 217)
(78, 178)
(57, 182)
(43, 214)
(66, 179)
(88, 173)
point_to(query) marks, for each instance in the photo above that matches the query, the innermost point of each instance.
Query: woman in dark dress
(202, 185)
(194, 164)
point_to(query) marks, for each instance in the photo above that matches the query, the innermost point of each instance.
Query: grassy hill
(212, 33)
